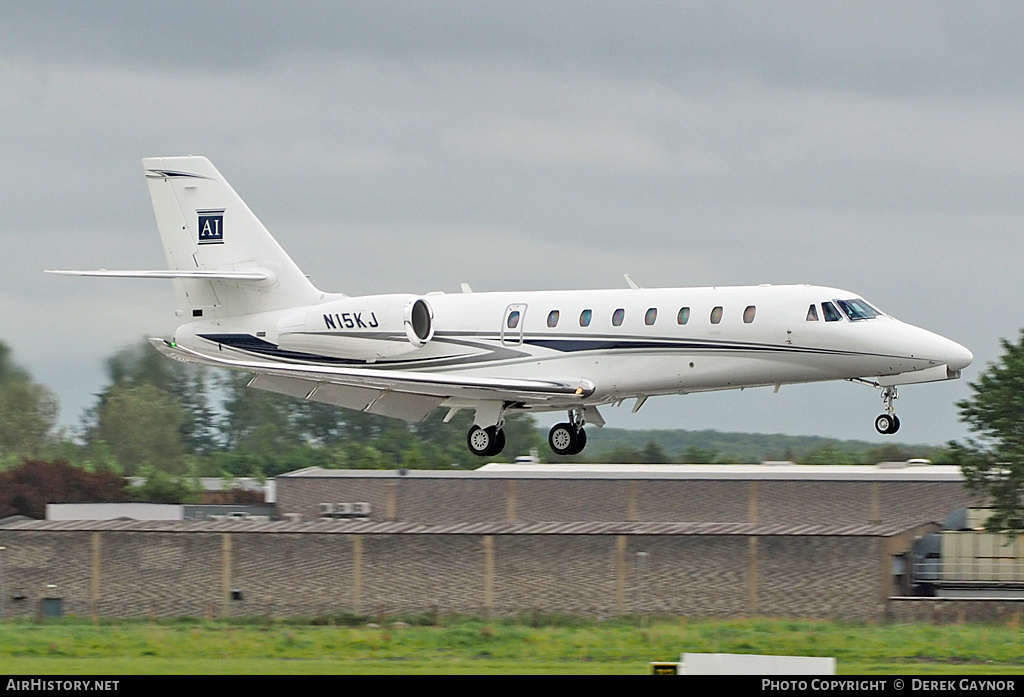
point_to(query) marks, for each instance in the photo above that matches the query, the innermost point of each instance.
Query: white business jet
(250, 308)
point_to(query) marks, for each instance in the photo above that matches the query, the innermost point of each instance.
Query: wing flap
(400, 405)
(325, 383)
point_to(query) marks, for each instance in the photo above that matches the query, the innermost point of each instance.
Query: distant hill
(703, 447)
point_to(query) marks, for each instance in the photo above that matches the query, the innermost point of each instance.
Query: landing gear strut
(888, 423)
(568, 438)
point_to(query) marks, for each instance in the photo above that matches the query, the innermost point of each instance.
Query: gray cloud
(870, 46)
(411, 146)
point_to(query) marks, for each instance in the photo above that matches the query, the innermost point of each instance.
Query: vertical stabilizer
(205, 226)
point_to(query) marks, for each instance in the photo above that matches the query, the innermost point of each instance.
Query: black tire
(480, 440)
(581, 442)
(499, 442)
(895, 424)
(885, 424)
(485, 442)
(562, 439)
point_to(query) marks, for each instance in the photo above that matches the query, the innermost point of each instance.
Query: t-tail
(222, 259)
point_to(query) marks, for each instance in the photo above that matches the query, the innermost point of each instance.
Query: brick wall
(451, 501)
(192, 573)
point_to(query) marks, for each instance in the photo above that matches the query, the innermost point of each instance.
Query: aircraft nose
(958, 357)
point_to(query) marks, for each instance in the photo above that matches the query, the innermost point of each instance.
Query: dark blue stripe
(252, 344)
(248, 342)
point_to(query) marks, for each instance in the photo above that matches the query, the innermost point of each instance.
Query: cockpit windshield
(857, 309)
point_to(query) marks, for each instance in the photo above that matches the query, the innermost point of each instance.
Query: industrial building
(702, 541)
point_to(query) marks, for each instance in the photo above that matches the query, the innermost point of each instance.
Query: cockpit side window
(857, 309)
(830, 312)
(812, 313)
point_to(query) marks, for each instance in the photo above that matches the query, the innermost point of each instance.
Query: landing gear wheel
(499, 442)
(485, 442)
(887, 424)
(562, 439)
(566, 439)
(581, 441)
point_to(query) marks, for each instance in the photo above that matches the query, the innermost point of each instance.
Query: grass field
(462, 645)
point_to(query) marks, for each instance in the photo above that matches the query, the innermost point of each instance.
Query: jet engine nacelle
(364, 328)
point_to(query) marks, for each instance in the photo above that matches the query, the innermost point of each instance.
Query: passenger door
(512, 324)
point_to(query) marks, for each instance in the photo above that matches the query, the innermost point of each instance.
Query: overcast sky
(411, 146)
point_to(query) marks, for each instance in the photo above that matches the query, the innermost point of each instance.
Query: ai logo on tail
(211, 226)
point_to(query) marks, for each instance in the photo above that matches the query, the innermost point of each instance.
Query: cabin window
(617, 317)
(748, 314)
(553, 318)
(513, 319)
(812, 313)
(651, 317)
(716, 315)
(831, 313)
(585, 318)
(684, 315)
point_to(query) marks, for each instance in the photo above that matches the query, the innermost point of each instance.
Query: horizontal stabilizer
(247, 275)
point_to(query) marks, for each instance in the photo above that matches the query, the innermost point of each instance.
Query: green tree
(891, 452)
(830, 453)
(142, 426)
(654, 454)
(256, 420)
(160, 487)
(993, 460)
(696, 455)
(28, 411)
(141, 364)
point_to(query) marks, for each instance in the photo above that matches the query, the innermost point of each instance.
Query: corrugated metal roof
(363, 527)
(889, 473)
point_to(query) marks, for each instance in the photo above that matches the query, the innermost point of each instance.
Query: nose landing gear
(888, 423)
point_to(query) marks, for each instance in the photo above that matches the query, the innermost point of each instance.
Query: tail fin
(222, 259)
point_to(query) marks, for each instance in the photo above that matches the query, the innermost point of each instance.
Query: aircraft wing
(407, 395)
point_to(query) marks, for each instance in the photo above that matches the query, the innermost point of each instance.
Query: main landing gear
(888, 423)
(568, 438)
(486, 442)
